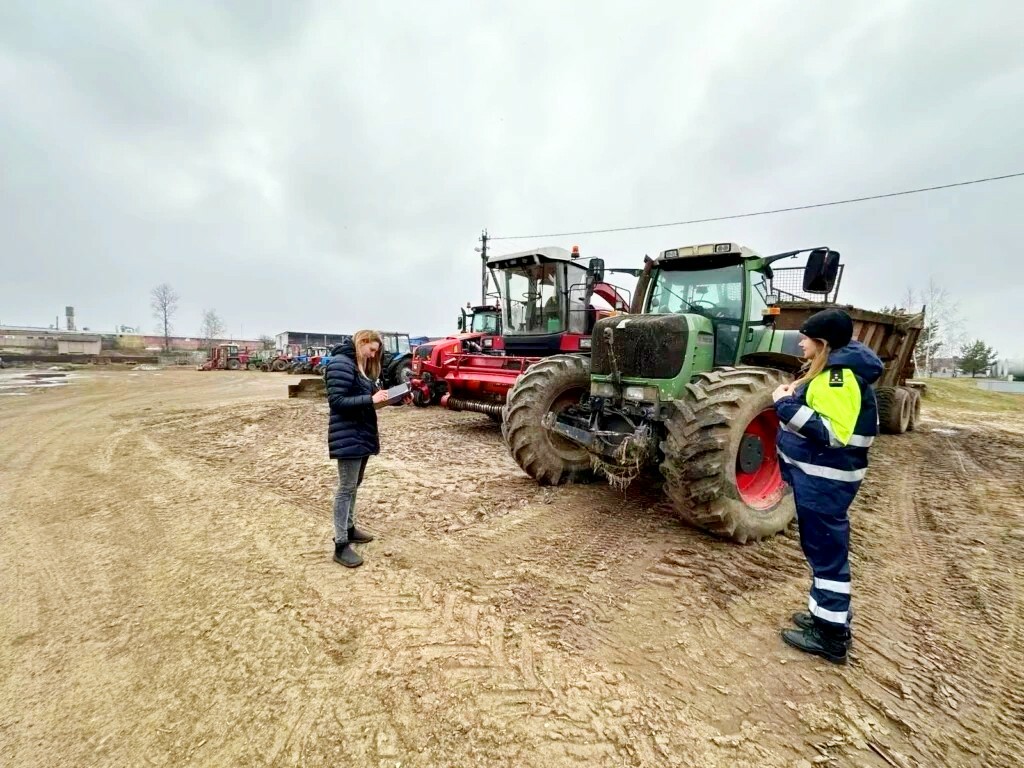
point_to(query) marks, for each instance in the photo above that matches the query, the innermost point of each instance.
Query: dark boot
(355, 536)
(806, 621)
(828, 643)
(344, 554)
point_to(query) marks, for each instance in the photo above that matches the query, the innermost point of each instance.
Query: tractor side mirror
(821, 270)
(595, 270)
(462, 322)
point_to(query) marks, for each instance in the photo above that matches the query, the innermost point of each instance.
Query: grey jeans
(350, 475)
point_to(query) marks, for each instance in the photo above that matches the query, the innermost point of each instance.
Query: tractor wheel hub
(751, 453)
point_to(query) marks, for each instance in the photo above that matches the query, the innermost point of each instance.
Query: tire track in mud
(938, 638)
(570, 626)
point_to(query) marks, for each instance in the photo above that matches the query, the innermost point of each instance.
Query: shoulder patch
(835, 377)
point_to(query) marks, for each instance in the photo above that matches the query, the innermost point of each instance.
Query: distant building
(293, 342)
(26, 340)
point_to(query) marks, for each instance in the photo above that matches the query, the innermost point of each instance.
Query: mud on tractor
(551, 301)
(684, 383)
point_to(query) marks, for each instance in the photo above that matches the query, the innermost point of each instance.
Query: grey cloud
(330, 165)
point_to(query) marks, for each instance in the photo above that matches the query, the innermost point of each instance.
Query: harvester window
(533, 299)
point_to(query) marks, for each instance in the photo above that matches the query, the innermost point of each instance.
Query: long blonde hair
(815, 365)
(372, 366)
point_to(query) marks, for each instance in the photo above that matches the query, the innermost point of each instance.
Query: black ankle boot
(344, 554)
(806, 621)
(829, 644)
(355, 536)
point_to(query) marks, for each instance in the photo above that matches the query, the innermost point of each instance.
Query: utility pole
(483, 268)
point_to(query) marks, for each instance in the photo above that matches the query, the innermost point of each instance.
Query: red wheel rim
(762, 488)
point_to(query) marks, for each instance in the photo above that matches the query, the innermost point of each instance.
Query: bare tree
(164, 302)
(266, 342)
(944, 328)
(212, 327)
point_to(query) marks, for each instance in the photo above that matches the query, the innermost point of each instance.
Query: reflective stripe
(801, 417)
(860, 441)
(842, 587)
(791, 431)
(833, 617)
(829, 473)
(833, 441)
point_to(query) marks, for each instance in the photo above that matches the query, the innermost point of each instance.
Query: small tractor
(552, 301)
(226, 357)
(480, 328)
(308, 360)
(684, 383)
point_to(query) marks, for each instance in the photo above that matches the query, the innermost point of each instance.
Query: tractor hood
(640, 346)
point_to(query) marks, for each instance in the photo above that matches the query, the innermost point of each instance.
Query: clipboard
(398, 393)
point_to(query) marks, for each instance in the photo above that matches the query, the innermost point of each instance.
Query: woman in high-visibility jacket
(828, 419)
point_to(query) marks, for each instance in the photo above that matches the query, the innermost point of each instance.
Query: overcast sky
(325, 166)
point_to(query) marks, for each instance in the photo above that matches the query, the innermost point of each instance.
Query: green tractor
(684, 382)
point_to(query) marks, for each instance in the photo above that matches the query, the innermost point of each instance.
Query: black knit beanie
(832, 325)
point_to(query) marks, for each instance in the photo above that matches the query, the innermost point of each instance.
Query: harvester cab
(552, 300)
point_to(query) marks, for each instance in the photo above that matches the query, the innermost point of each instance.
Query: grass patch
(965, 395)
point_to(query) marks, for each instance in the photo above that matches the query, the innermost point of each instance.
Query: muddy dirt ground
(167, 597)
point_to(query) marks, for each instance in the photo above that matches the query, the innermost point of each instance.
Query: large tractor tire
(280, 365)
(552, 384)
(234, 365)
(894, 409)
(721, 466)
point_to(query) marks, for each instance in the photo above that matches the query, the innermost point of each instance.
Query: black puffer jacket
(352, 432)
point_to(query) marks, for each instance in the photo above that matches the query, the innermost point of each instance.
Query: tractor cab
(551, 300)
(732, 288)
(485, 319)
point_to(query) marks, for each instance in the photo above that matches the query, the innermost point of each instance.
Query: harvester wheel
(894, 408)
(279, 365)
(721, 467)
(552, 384)
(234, 365)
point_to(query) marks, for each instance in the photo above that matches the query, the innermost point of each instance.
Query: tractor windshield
(397, 344)
(716, 293)
(485, 322)
(533, 302)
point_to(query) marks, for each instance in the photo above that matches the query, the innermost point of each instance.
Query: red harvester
(551, 303)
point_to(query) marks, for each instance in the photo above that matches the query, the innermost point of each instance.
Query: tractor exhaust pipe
(458, 404)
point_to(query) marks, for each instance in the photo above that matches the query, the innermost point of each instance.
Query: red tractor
(226, 357)
(551, 303)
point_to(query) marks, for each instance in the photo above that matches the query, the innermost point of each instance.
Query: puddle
(19, 382)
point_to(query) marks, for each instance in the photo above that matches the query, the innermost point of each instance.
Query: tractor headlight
(649, 394)
(585, 343)
(603, 389)
(488, 343)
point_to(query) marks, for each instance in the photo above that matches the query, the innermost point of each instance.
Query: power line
(762, 213)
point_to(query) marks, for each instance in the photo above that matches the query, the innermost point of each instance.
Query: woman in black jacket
(354, 398)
